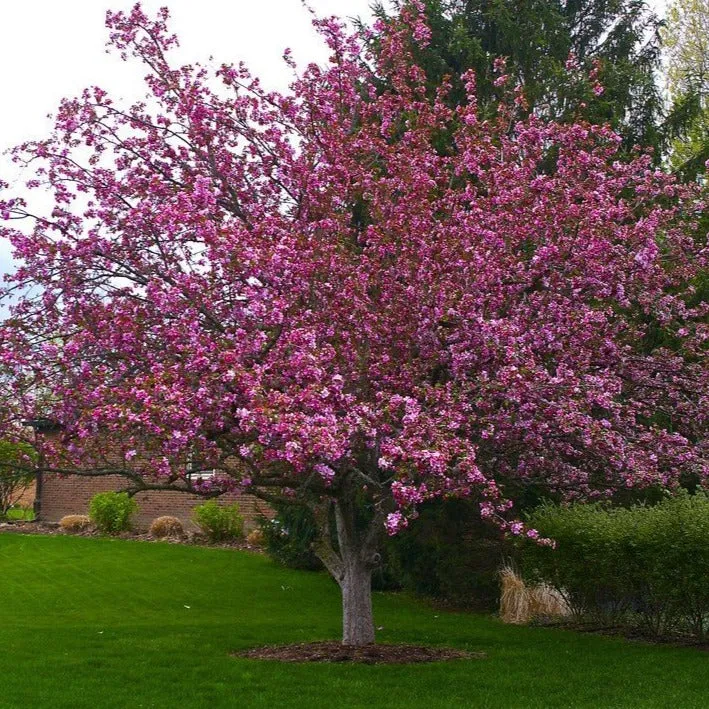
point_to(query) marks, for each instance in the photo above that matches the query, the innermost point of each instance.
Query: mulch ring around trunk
(333, 651)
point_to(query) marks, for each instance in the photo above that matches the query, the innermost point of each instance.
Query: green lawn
(109, 623)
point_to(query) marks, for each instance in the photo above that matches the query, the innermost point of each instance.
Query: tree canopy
(202, 288)
(602, 54)
(686, 38)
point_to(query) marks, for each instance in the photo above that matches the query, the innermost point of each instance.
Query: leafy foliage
(613, 48)
(111, 512)
(448, 553)
(623, 565)
(220, 523)
(15, 477)
(688, 84)
(290, 537)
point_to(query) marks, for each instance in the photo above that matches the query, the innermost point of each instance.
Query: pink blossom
(199, 289)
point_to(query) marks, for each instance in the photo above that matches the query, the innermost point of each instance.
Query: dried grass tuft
(75, 523)
(255, 538)
(519, 603)
(166, 526)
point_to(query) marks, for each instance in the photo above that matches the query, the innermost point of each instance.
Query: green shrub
(289, 537)
(111, 512)
(645, 565)
(449, 553)
(15, 477)
(219, 522)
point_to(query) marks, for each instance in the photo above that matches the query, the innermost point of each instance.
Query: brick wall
(26, 497)
(72, 494)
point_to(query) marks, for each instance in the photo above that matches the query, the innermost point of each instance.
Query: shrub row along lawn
(112, 623)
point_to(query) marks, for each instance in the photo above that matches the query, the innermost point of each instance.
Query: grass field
(108, 623)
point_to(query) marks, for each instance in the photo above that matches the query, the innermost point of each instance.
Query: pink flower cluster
(306, 291)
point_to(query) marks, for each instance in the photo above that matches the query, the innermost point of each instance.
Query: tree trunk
(351, 559)
(357, 616)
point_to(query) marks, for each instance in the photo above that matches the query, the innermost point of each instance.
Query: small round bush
(219, 523)
(75, 523)
(166, 526)
(111, 512)
(256, 538)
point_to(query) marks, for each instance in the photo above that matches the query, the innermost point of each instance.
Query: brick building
(26, 497)
(60, 495)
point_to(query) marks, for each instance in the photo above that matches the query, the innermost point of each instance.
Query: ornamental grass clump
(520, 603)
(111, 512)
(166, 527)
(256, 538)
(220, 523)
(75, 523)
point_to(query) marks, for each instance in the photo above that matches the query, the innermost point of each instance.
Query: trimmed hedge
(641, 566)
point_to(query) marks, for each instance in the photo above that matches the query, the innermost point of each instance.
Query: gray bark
(351, 562)
(357, 615)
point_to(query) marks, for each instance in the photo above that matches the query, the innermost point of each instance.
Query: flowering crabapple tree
(351, 298)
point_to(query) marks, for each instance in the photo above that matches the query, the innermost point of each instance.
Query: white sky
(54, 48)
(50, 49)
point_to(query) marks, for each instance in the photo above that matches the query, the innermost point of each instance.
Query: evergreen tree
(598, 58)
(686, 38)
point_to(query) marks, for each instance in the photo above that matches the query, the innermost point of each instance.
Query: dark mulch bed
(332, 651)
(49, 528)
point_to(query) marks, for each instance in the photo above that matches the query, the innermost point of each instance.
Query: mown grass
(110, 623)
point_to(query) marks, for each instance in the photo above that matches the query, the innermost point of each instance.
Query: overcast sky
(54, 48)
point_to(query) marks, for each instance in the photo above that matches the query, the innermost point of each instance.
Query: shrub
(289, 537)
(219, 523)
(14, 476)
(644, 565)
(20, 514)
(111, 512)
(449, 553)
(166, 526)
(75, 523)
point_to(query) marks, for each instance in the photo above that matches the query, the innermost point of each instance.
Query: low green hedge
(644, 566)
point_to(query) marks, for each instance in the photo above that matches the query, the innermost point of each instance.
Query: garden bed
(54, 529)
